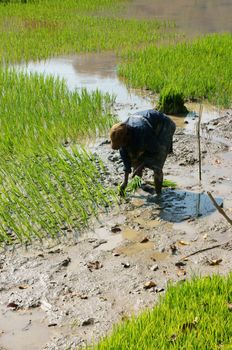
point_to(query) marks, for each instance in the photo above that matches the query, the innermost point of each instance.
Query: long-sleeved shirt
(150, 130)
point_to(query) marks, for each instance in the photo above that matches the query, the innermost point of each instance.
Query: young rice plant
(194, 315)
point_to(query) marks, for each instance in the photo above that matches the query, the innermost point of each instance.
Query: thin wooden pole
(219, 208)
(199, 140)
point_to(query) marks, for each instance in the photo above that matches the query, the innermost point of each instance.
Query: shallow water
(93, 71)
(175, 206)
(23, 330)
(99, 71)
(179, 205)
(191, 16)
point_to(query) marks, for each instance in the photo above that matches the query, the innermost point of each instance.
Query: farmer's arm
(126, 167)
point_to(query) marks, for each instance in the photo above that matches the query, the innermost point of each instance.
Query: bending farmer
(144, 141)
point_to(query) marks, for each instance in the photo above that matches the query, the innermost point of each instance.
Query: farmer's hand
(124, 184)
(122, 189)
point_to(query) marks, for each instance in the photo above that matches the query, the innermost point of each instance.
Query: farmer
(144, 141)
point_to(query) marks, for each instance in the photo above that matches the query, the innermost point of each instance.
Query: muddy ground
(67, 293)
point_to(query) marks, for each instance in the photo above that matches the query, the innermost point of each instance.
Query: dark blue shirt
(145, 128)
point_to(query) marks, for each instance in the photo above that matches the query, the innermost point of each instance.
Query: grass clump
(200, 69)
(171, 102)
(195, 315)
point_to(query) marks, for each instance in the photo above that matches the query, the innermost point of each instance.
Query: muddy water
(177, 206)
(173, 206)
(99, 71)
(25, 329)
(94, 71)
(191, 16)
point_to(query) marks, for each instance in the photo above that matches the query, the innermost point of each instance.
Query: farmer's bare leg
(158, 180)
(155, 162)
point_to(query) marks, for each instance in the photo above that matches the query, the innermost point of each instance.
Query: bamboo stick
(199, 141)
(221, 211)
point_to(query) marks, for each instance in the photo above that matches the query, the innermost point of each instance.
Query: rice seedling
(41, 194)
(134, 184)
(47, 179)
(36, 110)
(194, 315)
(169, 183)
(200, 69)
(171, 101)
(42, 29)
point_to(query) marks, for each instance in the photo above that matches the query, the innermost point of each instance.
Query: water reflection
(93, 71)
(177, 205)
(191, 16)
(98, 71)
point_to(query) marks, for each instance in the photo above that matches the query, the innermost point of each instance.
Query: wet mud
(68, 293)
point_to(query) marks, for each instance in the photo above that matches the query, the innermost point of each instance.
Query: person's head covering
(118, 135)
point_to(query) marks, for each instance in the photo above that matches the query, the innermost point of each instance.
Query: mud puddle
(23, 330)
(177, 205)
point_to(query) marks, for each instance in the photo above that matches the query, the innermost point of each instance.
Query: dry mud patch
(67, 293)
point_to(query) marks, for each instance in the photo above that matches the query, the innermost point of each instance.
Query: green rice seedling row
(47, 181)
(51, 28)
(200, 69)
(192, 315)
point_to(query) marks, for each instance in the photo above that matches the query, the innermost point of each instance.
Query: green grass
(200, 69)
(193, 315)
